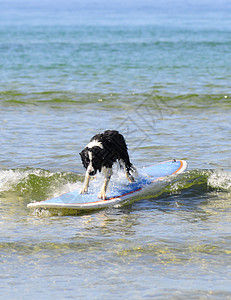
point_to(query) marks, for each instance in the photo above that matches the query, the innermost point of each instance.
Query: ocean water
(160, 74)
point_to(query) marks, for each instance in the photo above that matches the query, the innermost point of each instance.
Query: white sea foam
(10, 178)
(220, 179)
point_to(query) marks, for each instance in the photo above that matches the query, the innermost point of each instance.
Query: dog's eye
(86, 161)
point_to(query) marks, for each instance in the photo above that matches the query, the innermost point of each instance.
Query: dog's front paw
(102, 195)
(83, 190)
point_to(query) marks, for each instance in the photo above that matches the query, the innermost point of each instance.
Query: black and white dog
(99, 155)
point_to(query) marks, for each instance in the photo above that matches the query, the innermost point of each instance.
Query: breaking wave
(38, 184)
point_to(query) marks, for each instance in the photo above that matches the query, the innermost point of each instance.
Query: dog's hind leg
(107, 173)
(129, 177)
(127, 169)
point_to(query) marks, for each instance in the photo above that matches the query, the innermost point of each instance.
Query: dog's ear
(84, 158)
(81, 154)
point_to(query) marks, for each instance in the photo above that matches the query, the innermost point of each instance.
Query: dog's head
(92, 159)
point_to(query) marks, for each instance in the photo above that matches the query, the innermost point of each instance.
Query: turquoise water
(158, 73)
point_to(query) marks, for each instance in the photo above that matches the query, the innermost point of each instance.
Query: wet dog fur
(103, 150)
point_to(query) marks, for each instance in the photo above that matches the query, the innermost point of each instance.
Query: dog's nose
(92, 173)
